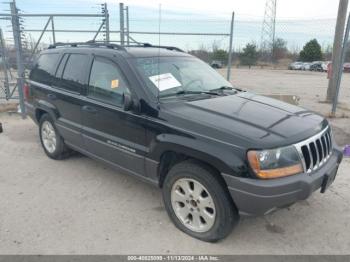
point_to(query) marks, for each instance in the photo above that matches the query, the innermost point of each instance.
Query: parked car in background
(347, 67)
(216, 64)
(325, 66)
(317, 66)
(295, 66)
(306, 66)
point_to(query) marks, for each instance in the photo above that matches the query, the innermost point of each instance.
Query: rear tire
(198, 203)
(51, 140)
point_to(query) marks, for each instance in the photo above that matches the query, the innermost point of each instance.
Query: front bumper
(259, 197)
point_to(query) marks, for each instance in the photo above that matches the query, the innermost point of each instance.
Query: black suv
(161, 115)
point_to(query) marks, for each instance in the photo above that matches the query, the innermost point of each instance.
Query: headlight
(275, 163)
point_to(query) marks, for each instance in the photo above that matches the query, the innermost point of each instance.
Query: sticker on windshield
(164, 81)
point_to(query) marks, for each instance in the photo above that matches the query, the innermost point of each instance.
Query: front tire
(198, 203)
(51, 140)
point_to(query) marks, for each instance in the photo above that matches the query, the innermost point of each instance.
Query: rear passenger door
(70, 81)
(109, 132)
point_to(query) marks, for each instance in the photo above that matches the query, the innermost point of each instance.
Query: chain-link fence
(207, 36)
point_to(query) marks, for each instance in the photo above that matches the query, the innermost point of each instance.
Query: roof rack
(172, 48)
(90, 44)
(114, 46)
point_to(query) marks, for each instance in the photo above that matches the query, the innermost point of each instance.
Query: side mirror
(127, 102)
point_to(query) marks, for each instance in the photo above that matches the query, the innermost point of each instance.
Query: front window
(168, 76)
(107, 83)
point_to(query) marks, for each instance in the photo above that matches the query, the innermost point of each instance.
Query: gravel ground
(79, 206)
(311, 87)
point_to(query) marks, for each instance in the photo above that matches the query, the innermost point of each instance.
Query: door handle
(51, 96)
(90, 109)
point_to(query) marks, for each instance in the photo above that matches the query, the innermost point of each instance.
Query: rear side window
(75, 72)
(44, 70)
(61, 66)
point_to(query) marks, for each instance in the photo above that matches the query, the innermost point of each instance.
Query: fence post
(121, 23)
(229, 63)
(4, 65)
(18, 46)
(127, 25)
(341, 68)
(53, 30)
(107, 22)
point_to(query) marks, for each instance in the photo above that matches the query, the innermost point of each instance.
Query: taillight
(26, 91)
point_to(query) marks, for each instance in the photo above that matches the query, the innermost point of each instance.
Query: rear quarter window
(44, 70)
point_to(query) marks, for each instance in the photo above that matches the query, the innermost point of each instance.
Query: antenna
(268, 31)
(159, 21)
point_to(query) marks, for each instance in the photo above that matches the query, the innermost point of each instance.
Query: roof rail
(89, 43)
(172, 48)
(114, 46)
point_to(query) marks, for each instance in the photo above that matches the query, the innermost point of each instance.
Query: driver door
(110, 133)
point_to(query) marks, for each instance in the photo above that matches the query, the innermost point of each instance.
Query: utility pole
(16, 28)
(337, 49)
(343, 54)
(268, 31)
(274, 34)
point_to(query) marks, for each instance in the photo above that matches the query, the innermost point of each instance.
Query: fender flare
(223, 158)
(47, 107)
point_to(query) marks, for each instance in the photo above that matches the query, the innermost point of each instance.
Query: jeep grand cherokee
(161, 115)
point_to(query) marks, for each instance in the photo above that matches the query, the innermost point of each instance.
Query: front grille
(315, 151)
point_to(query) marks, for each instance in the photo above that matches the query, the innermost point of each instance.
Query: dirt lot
(311, 87)
(79, 206)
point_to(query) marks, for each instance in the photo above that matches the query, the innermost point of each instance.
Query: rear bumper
(259, 197)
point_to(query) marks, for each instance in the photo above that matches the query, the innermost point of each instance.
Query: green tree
(220, 54)
(279, 49)
(311, 52)
(249, 56)
(202, 53)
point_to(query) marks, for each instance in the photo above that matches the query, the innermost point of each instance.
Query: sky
(300, 9)
(305, 9)
(255, 8)
(297, 20)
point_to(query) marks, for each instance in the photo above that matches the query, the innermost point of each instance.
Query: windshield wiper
(184, 92)
(225, 88)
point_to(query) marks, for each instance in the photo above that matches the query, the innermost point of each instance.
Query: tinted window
(45, 68)
(75, 72)
(106, 82)
(59, 71)
(61, 66)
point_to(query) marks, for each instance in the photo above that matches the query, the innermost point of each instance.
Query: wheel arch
(174, 149)
(44, 107)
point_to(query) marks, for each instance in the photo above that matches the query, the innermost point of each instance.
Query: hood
(247, 118)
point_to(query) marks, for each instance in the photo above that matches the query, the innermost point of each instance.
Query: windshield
(169, 76)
